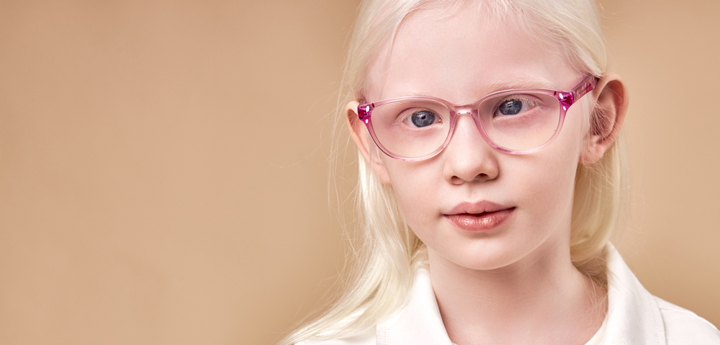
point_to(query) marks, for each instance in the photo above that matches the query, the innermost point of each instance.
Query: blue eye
(422, 118)
(510, 107)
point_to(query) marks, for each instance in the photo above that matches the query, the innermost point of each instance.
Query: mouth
(490, 217)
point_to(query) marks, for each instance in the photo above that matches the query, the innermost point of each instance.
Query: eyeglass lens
(414, 128)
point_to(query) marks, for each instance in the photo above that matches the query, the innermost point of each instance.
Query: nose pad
(475, 118)
(465, 112)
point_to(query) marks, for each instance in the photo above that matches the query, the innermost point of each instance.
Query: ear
(606, 117)
(360, 135)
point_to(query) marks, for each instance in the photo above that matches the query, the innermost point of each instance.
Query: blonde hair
(391, 252)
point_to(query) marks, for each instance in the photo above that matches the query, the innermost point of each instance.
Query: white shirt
(635, 317)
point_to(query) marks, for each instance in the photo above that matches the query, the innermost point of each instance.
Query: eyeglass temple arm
(585, 86)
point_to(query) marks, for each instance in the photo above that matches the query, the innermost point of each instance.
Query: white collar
(633, 315)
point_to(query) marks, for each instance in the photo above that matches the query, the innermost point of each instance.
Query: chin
(486, 258)
(488, 263)
(496, 254)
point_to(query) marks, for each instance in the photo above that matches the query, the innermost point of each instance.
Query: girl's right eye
(422, 118)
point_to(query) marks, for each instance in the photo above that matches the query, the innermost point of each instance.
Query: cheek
(549, 184)
(416, 188)
(548, 188)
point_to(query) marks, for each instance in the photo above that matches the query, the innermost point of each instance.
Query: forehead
(462, 53)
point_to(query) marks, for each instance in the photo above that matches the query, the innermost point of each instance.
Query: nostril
(458, 180)
(482, 177)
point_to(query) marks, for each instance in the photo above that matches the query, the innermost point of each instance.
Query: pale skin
(515, 284)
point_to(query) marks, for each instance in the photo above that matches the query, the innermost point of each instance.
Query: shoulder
(685, 327)
(416, 321)
(635, 316)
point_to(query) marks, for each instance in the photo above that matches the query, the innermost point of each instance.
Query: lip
(479, 216)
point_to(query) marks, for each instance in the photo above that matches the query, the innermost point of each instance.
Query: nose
(468, 157)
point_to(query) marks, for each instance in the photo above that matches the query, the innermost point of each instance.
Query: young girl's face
(460, 56)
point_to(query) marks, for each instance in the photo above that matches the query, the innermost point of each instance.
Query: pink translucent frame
(565, 98)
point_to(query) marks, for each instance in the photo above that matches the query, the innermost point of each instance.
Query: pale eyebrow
(520, 84)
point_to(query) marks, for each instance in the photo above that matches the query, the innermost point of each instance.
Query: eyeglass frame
(565, 98)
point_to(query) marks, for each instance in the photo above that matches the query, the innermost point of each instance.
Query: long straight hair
(390, 252)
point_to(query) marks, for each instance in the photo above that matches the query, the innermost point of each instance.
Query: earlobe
(606, 118)
(362, 139)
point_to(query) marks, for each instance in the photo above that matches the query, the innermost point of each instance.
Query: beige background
(163, 164)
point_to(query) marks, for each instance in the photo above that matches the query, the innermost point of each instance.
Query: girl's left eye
(514, 106)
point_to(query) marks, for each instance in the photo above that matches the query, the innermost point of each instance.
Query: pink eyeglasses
(517, 121)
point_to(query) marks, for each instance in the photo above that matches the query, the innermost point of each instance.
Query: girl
(492, 173)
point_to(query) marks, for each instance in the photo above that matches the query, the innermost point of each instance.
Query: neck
(540, 299)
